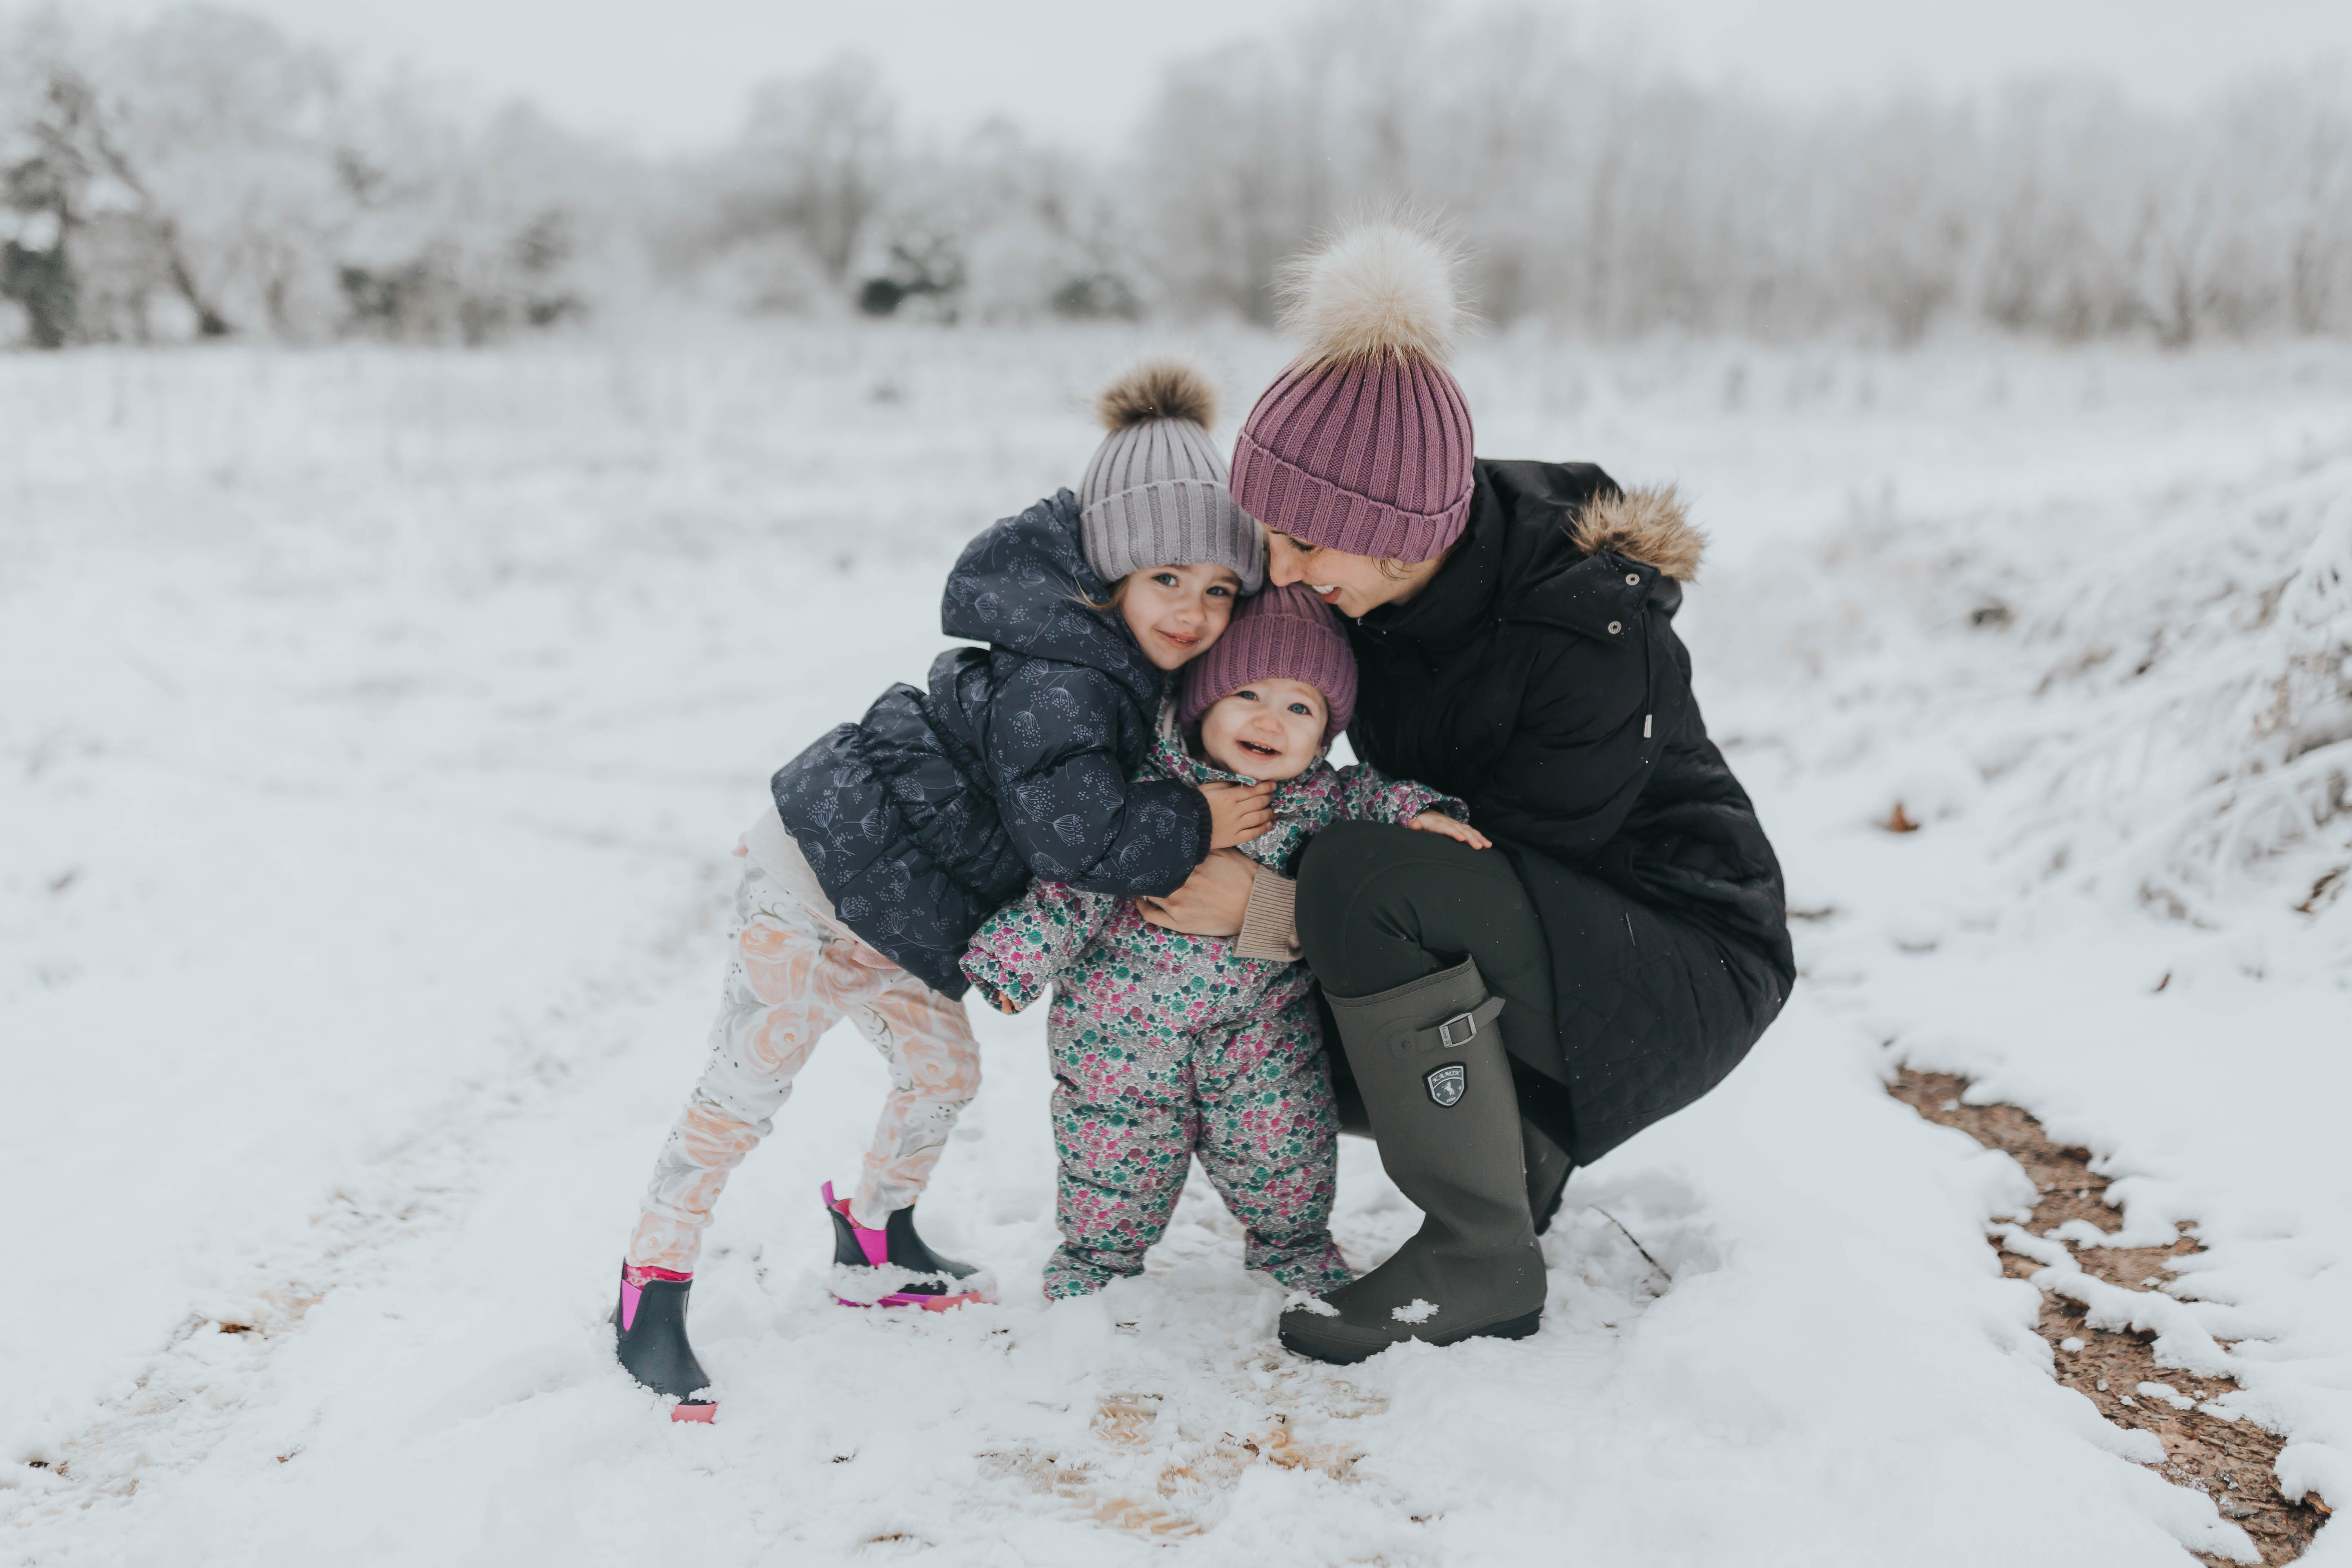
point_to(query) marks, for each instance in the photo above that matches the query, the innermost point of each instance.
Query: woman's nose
(1283, 567)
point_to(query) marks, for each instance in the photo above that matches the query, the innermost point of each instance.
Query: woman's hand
(1438, 821)
(1213, 902)
(1238, 813)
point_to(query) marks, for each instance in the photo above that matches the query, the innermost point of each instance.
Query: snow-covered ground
(374, 727)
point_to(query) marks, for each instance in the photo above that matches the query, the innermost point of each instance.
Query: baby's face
(1268, 730)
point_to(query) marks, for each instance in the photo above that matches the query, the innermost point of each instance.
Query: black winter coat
(932, 812)
(1539, 677)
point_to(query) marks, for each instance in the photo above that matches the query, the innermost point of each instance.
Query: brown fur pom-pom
(1157, 389)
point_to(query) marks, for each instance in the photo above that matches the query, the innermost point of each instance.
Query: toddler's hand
(1003, 1004)
(1438, 821)
(1238, 813)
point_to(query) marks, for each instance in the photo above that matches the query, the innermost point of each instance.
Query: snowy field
(374, 728)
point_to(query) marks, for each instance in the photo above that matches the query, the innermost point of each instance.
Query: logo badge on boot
(1447, 1084)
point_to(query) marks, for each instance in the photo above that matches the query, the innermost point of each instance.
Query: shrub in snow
(2162, 710)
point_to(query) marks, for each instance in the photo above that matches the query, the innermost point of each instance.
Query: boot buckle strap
(1452, 1034)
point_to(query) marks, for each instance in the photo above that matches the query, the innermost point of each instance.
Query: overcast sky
(676, 74)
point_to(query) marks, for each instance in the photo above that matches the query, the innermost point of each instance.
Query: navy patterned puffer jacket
(932, 812)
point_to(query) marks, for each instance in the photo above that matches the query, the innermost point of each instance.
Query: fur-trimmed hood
(1572, 549)
(1648, 524)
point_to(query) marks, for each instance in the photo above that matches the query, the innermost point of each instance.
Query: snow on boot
(649, 1336)
(894, 1267)
(1436, 1082)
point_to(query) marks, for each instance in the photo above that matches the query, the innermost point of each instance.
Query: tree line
(204, 175)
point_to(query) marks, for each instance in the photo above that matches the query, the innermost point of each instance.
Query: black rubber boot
(1546, 1134)
(1548, 1169)
(1430, 1063)
(945, 1282)
(649, 1336)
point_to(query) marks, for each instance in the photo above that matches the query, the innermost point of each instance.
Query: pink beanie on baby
(1283, 634)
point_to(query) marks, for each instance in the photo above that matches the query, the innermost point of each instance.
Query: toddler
(1164, 1044)
(887, 842)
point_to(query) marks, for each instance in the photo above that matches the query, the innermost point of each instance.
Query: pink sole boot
(649, 1337)
(898, 1245)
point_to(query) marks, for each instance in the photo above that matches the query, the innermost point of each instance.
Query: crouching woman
(1501, 1019)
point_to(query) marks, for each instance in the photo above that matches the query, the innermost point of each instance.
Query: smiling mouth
(1179, 639)
(1329, 595)
(1255, 750)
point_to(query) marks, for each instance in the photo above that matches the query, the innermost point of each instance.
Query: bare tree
(817, 157)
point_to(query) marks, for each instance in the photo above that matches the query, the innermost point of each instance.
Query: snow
(374, 728)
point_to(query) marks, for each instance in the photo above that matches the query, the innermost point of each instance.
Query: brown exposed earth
(2230, 1461)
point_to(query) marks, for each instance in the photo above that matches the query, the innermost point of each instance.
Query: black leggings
(1381, 907)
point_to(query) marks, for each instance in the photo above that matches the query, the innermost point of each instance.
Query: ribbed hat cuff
(1283, 496)
(1268, 645)
(1122, 534)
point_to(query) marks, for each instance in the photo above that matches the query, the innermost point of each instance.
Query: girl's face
(1351, 584)
(1177, 611)
(1267, 730)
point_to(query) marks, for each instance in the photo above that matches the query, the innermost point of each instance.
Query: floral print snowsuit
(1165, 1046)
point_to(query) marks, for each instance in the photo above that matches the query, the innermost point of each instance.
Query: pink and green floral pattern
(1166, 1046)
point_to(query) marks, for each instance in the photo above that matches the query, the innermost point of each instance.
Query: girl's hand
(1438, 821)
(1003, 1004)
(1238, 813)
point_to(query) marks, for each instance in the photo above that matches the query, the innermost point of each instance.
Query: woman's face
(1177, 611)
(1267, 730)
(1351, 584)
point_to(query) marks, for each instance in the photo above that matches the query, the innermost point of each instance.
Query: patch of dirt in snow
(2229, 1461)
(1153, 1470)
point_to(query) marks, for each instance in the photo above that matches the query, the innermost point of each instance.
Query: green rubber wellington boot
(1429, 1060)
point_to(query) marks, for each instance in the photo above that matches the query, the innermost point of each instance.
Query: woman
(1505, 1015)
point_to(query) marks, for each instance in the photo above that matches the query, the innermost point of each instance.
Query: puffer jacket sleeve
(1367, 794)
(1064, 797)
(1037, 936)
(1579, 759)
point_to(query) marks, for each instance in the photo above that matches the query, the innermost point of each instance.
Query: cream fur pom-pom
(1157, 389)
(1384, 287)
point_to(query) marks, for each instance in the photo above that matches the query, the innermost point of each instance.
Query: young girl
(890, 840)
(1164, 1044)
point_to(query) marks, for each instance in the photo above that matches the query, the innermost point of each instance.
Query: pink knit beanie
(1283, 634)
(1363, 444)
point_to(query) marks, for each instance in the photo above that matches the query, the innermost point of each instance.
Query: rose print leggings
(795, 973)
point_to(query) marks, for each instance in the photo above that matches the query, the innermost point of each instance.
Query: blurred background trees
(204, 175)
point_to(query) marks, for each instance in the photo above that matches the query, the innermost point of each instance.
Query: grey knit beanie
(1154, 494)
